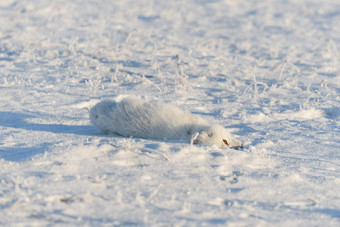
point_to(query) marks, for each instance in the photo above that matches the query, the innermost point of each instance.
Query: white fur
(135, 117)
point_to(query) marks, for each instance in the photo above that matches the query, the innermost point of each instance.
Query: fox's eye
(226, 142)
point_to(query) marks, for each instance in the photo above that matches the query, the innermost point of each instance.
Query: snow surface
(267, 70)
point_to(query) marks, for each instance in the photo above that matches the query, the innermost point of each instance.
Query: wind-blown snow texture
(267, 70)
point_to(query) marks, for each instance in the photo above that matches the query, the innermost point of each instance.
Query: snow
(269, 71)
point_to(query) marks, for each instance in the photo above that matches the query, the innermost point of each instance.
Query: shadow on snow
(19, 121)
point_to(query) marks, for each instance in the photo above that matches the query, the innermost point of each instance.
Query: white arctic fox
(135, 117)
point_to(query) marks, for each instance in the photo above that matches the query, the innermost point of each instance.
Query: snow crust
(267, 70)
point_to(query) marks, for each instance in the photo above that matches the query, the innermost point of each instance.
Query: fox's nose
(237, 147)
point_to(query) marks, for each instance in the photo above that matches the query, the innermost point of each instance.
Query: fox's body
(135, 117)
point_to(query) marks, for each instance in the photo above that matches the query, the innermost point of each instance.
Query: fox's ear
(194, 139)
(225, 142)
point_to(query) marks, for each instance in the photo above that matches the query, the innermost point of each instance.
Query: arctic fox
(135, 117)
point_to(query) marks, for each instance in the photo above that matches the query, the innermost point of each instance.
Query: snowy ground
(267, 70)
